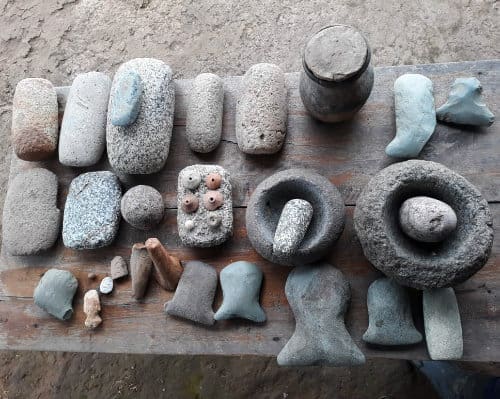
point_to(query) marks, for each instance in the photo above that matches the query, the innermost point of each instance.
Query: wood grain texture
(347, 153)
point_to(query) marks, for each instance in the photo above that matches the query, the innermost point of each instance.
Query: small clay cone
(167, 268)
(140, 269)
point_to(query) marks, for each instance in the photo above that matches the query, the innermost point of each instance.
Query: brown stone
(140, 269)
(118, 268)
(167, 268)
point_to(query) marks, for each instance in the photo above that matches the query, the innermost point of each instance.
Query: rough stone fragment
(443, 328)
(241, 282)
(92, 211)
(127, 98)
(204, 113)
(167, 268)
(83, 130)
(415, 115)
(389, 311)
(292, 227)
(465, 104)
(266, 205)
(35, 120)
(408, 261)
(261, 110)
(140, 270)
(54, 293)
(195, 293)
(106, 285)
(427, 219)
(142, 147)
(118, 268)
(319, 296)
(31, 220)
(142, 207)
(204, 223)
(92, 307)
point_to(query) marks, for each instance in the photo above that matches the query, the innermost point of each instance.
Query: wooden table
(347, 153)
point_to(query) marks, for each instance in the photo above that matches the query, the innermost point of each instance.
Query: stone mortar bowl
(267, 202)
(412, 263)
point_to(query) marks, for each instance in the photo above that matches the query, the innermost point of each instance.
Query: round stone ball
(410, 262)
(142, 207)
(267, 202)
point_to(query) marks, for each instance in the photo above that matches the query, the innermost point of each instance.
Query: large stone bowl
(267, 202)
(412, 263)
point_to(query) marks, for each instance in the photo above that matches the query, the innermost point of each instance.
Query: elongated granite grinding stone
(54, 293)
(35, 120)
(240, 282)
(319, 296)
(389, 311)
(167, 268)
(204, 113)
(415, 115)
(261, 110)
(443, 328)
(92, 211)
(31, 220)
(142, 147)
(83, 130)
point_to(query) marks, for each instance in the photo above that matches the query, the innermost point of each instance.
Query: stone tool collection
(421, 224)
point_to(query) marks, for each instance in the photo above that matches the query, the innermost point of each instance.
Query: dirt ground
(56, 39)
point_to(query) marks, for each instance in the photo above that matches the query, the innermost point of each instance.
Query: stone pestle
(167, 268)
(140, 269)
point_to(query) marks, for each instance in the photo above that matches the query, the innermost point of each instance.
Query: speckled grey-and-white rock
(261, 111)
(35, 120)
(83, 129)
(389, 311)
(142, 147)
(443, 328)
(142, 207)
(201, 222)
(427, 219)
(31, 220)
(92, 211)
(204, 113)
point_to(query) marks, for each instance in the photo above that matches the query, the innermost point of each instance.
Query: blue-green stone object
(240, 282)
(465, 105)
(127, 93)
(415, 115)
(54, 293)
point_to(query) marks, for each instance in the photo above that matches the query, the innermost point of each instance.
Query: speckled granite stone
(92, 211)
(142, 207)
(54, 293)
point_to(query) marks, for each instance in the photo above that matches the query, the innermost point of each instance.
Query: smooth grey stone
(204, 113)
(127, 98)
(427, 219)
(266, 204)
(241, 282)
(443, 328)
(292, 227)
(319, 296)
(142, 207)
(31, 219)
(82, 138)
(142, 147)
(106, 285)
(415, 115)
(465, 104)
(92, 211)
(118, 268)
(54, 293)
(389, 311)
(195, 293)
(261, 111)
(412, 263)
(204, 227)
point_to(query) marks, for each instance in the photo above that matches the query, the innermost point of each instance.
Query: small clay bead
(189, 224)
(214, 221)
(213, 200)
(190, 203)
(213, 181)
(191, 180)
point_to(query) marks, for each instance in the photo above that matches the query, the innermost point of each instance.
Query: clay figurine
(240, 282)
(142, 207)
(118, 268)
(92, 307)
(54, 293)
(465, 105)
(167, 268)
(140, 270)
